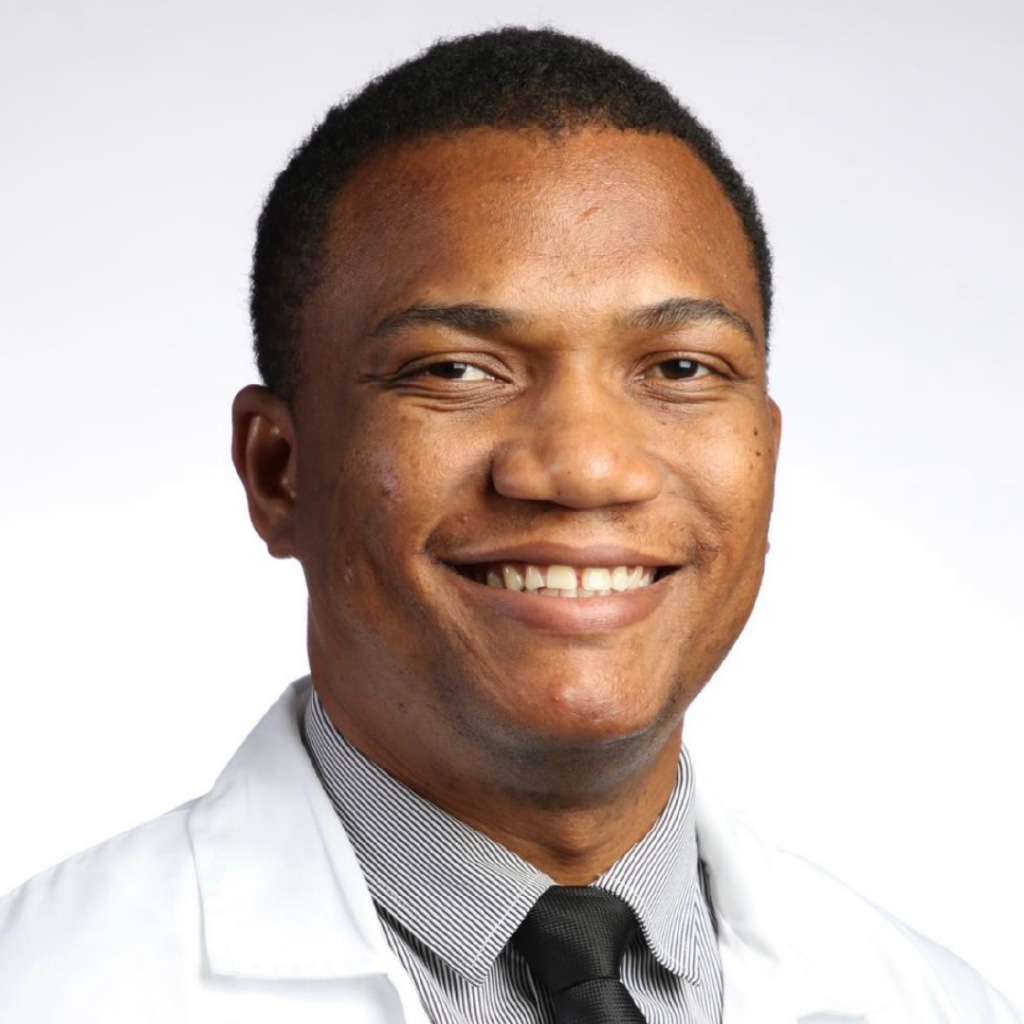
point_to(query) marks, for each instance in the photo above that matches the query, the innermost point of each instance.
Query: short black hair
(507, 78)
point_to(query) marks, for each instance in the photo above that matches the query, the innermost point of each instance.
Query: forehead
(553, 224)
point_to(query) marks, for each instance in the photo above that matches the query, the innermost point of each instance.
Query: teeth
(568, 581)
(561, 577)
(512, 578)
(596, 579)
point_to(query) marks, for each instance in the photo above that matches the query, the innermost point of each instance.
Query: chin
(576, 764)
(574, 720)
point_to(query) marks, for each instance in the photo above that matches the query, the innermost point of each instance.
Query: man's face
(535, 370)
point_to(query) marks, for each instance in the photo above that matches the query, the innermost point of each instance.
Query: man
(511, 308)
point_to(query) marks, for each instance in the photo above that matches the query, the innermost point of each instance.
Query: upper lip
(552, 553)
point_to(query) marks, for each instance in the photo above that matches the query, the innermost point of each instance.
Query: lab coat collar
(283, 895)
(784, 956)
(281, 890)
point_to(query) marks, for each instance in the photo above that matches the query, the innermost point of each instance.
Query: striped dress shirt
(449, 898)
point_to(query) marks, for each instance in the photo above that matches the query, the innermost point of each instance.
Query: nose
(579, 452)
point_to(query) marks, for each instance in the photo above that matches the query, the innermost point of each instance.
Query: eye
(451, 369)
(678, 369)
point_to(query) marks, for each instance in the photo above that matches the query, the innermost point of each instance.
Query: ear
(776, 414)
(265, 455)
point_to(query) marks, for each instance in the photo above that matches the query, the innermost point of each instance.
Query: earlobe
(264, 452)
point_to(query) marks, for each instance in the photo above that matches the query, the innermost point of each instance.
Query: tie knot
(575, 934)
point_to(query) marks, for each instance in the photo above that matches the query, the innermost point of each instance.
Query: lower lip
(566, 614)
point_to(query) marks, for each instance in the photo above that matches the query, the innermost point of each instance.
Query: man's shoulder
(128, 905)
(830, 948)
(886, 946)
(122, 867)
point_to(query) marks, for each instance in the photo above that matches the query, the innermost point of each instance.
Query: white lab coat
(247, 906)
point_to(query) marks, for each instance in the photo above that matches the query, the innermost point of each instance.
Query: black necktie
(573, 939)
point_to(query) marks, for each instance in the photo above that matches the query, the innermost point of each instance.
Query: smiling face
(535, 455)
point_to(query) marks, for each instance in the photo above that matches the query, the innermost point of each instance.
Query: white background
(870, 716)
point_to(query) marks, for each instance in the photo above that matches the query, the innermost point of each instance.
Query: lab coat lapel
(773, 975)
(282, 893)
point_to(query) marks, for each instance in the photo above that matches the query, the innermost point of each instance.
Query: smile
(561, 580)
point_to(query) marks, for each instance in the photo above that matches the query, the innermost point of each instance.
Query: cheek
(375, 475)
(395, 483)
(728, 471)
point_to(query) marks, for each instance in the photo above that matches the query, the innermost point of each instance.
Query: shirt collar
(659, 878)
(419, 861)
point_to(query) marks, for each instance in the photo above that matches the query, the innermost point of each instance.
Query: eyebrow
(671, 314)
(676, 313)
(465, 316)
